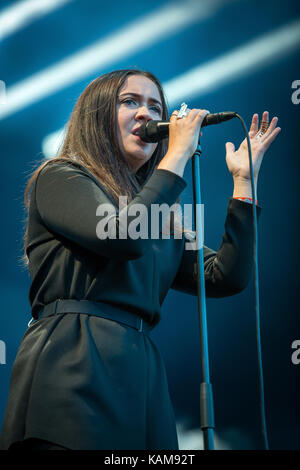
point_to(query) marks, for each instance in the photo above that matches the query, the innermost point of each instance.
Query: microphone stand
(206, 396)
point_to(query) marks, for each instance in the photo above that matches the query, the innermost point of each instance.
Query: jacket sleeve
(227, 271)
(72, 203)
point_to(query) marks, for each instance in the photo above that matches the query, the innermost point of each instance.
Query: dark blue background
(231, 321)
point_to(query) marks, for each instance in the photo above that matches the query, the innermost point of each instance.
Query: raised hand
(260, 140)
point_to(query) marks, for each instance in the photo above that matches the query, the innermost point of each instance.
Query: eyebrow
(137, 95)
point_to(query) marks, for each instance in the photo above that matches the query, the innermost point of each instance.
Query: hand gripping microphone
(154, 131)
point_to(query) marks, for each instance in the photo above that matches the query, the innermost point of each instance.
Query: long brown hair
(91, 140)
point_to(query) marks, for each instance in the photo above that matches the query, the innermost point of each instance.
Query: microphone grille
(148, 131)
(154, 131)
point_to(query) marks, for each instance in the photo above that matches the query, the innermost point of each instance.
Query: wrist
(243, 188)
(173, 162)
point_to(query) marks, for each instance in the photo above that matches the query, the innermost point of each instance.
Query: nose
(143, 113)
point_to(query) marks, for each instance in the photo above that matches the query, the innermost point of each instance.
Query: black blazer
(86, 382)
(67, 260)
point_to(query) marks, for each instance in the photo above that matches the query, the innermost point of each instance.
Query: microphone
(154, 131)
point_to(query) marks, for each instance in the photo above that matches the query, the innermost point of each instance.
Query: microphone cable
(256, 285)
(154, 131)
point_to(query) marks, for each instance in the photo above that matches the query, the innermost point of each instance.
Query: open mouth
(135, 131)
(138, 139)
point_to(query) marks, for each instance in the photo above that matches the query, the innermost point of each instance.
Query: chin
(137, 160)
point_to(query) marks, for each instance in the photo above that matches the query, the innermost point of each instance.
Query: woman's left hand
(238, 160)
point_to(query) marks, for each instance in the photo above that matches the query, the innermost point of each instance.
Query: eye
(156, 109)
(134, 103)
(130, 101)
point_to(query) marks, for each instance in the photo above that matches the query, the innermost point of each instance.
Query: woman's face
(138, 102)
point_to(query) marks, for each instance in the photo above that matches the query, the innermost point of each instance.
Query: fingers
(271, 127)
(194, 117)
(254, 125)
(192, 114)
(269, 132)
(263, 125)
(271, 136)
(197, 114)
(264, 122)
(265, 129)
(200, 114)
(174, 115)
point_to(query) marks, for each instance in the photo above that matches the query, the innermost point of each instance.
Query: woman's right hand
(184, 133)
